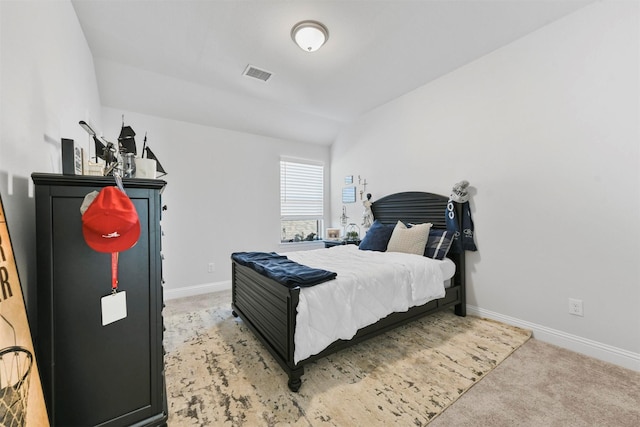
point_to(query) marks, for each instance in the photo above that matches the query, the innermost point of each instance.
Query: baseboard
(595, 349)
(189, 291)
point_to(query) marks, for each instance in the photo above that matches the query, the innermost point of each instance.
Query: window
(301, 201)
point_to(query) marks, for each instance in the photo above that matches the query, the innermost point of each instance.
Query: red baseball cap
(111, 223)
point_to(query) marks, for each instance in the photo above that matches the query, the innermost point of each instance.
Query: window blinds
(301, 190)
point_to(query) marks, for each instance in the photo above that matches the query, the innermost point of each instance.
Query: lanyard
(114, 272)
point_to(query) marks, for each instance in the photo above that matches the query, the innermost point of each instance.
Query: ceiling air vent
(257, 73)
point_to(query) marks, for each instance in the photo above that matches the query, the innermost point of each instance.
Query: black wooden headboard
(414, 207)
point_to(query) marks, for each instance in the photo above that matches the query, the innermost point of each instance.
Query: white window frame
(301, 199)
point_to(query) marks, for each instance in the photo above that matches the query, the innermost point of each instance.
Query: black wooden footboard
(269, 310)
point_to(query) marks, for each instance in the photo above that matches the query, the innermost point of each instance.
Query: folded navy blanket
(282, 269)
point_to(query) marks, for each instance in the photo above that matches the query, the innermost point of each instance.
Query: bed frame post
(295, 380)
(461, 308)
(294, 372)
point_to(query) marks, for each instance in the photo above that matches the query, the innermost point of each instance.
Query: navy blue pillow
(438, 244)
(377, 237)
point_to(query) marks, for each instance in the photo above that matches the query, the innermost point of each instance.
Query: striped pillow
(438, 244)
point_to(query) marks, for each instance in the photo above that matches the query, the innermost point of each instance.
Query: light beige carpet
(218, 374)
(542, 385)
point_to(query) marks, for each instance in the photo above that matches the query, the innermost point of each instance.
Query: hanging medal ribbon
(114, 305)
(114, 272)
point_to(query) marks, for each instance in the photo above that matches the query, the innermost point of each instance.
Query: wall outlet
(575, 307)
(211, 267)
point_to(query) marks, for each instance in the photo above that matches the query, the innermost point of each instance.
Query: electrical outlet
(211, 267)
(575, 307)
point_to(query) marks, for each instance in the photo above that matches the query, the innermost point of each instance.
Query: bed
(270, 310)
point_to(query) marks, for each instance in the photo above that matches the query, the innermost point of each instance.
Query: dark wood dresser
(110, 375)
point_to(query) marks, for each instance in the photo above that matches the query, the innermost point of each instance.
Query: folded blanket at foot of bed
(282, 269)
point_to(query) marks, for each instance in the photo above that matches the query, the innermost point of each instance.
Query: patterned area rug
(219, 374)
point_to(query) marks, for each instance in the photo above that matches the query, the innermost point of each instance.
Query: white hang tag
(114, 307)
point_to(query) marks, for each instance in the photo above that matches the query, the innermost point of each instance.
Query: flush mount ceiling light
(309, 35)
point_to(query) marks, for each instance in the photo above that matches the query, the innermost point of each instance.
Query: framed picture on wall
(349, 195)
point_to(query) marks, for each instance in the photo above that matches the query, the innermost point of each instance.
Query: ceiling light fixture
(309, 35)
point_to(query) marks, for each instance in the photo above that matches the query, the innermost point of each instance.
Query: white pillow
(409, 240)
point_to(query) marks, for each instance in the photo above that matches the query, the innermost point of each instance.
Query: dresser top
(94, 181)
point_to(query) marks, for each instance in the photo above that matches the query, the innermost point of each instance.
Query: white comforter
(370, 285)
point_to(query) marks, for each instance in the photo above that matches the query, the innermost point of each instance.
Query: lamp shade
(309, 35)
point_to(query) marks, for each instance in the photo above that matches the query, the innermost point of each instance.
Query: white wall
(47, 85)
(546, 131)
(223, 194)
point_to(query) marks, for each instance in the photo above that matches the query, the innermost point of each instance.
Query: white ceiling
(184, 59)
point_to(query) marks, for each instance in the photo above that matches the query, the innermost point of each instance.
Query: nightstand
(332, 243)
